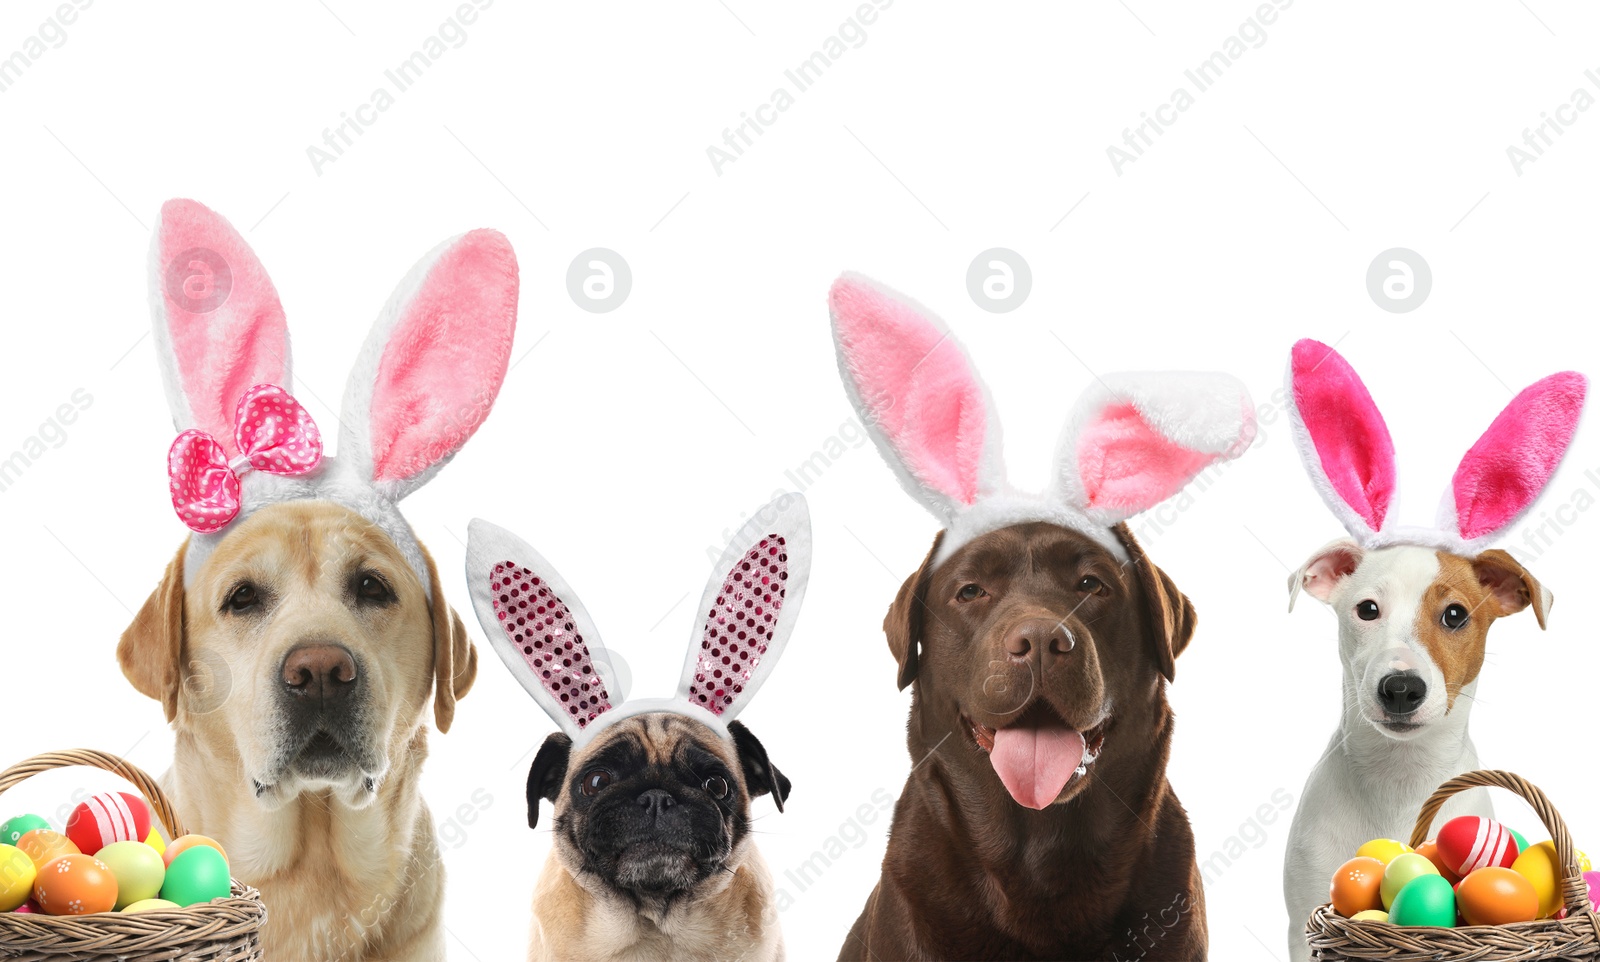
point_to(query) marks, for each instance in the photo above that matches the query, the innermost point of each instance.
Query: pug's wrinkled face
(654, 806)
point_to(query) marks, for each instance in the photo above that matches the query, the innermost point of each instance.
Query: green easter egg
(1399, 872)
(138, 868)
(197, 875)
(1522, 843)
(14, 828)
(1426, 900)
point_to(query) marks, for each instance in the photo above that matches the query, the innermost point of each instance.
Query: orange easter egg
(183, 843)
(1430, 851)
(44, 845)
(1355, 886)
(1497, 896)
(75, 885)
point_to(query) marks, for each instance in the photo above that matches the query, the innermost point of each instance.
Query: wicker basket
(1333, 937)
(223, 930)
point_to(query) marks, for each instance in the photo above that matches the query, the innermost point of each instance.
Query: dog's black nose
(323, 672)
(655, 801)
(1045, 635)
(1402, 692)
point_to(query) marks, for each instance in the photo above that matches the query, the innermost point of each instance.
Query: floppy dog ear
(432, 365)
(1343, 440)
(455, 658)
(152, 646)
(1513, 586)
(1323, 571)
(903, 623)
(547, 774)
(1172, 616)
(1506, 470)
(760, 775)
(1135, 440)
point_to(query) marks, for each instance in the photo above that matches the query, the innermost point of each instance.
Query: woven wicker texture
(1334, 938)
(225, 930)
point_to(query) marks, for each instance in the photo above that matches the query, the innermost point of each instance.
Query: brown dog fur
(350, 882)
(1108, 871)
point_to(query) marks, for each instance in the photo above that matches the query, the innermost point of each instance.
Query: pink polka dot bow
(274, 434)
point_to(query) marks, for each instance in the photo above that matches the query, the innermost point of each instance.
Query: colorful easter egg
(184, 843)
(1497, 896)
(138, 868)
(29, 907)
(107, 818)
(12, 829)
(1426, 900)
(1544, 872)
(1430, 851)
(155, 841)
(75, 885)
(1592, 879)
(43, 845)
(1383, 849)
(199, 874)
(1355, 886)
(1471, 842)
(17, 872)
(151, 905)
(1370, 915)
(1399, 873)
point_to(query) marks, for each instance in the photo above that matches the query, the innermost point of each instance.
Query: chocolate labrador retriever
(1024, 638)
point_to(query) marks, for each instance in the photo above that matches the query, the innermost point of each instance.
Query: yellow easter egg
(150, 905)
(1383, 849)
(17, 873)
(1370, 915)
(155, 841)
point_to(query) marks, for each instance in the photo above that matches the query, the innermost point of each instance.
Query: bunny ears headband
(1131, 442)
(422, 384)
(542, 632)
(1349, 455)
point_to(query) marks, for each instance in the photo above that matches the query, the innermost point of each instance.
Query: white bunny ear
(538, 626)
(1134, 440)
(918, 395)
(219, 328)
(749, 608)
(433, 364)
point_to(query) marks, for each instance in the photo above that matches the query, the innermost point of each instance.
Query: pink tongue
(1035, 763)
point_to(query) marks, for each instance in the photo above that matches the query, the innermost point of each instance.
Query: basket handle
(105, 761)
(1574, 890)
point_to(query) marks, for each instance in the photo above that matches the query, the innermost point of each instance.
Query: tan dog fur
(344, 877)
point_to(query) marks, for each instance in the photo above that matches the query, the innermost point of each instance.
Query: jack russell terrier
(1414, 608)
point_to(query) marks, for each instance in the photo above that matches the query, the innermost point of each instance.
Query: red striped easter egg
(1470, 842)
(107, 818)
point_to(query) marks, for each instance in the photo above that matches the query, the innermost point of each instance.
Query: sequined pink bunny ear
(1342, 438)
(749, 608)
(219, 327)
(536, 623)
(433, 364)
(918, 395)
(1135, 440)
(1508, 468)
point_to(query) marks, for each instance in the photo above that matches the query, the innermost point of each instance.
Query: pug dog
(652, 859)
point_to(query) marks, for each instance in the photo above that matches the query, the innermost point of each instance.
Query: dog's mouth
(1397, 727)
(655, 868)
(1039, 755)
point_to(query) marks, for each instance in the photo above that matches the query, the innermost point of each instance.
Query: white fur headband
(424, 381)
(547, 640)
(1131, 442)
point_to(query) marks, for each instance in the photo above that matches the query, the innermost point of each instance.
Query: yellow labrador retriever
(299, 634)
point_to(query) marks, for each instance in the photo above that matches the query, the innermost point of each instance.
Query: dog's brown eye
(243, 598)
(716, 786)
(970, 592)
(1454, 617)
(371, 588)
(1367, 610)
(1090, 585)
(594, 781)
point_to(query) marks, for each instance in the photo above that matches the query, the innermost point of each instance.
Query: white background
(624, 444)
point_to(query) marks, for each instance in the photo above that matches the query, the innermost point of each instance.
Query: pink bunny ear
(537, 625)
(1342, 438)
(433, 364)
(219, 328)
(917, 394)
(749, 608)
(1504, 473)
(1134, 440)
